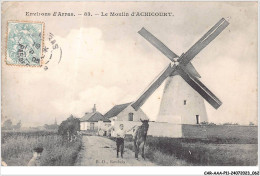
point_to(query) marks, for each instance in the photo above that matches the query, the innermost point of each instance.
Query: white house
(125, 112)
(90, 120)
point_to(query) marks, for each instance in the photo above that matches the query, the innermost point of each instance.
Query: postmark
(25, 41)
(51, 51)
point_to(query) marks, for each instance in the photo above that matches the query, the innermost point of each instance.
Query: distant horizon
(209, 123)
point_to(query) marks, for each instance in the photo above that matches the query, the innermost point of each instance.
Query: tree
(251, 124)
(18, 125)
(51, 127)
(69, 128)
(8, 124)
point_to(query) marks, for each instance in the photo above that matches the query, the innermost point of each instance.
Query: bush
(159, 157)
(17, 148)
(199, 153)
(251, 124)
(69, 128)
(207, 123)
(229, 123)
(205, 152)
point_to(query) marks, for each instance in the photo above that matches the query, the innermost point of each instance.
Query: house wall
(103, 125)
(113, 118)
(157, 129)
(161, 129)
(127, 126)
(83, 126)
(123, 116)
(86, 126)
(104, 128)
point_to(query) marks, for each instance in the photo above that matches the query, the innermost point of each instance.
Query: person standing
(120, 136)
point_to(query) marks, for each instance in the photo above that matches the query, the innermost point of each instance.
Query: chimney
(94, 108)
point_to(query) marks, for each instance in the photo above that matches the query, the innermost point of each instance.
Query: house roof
(116, 110)
(93, 117)
(106, 120)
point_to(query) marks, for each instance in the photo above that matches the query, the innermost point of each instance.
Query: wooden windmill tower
(182, 101)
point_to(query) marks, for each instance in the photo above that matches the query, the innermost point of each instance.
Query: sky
(106, 62)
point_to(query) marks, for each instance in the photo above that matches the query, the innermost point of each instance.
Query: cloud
(91, 72)
(103, 97)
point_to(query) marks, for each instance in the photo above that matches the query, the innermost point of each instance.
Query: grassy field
(17, 148)
(200, 152)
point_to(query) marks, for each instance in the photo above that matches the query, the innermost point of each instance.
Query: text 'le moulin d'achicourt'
(100, 14)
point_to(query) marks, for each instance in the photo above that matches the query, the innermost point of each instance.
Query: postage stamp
(24, 43)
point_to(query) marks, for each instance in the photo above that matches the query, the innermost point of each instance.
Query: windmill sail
(153, 86)
(204, 41)
(157, 43)
(200, 88)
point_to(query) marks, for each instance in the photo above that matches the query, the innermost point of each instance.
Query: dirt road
(100, 151)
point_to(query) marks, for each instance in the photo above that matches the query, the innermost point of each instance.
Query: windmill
(182, 77)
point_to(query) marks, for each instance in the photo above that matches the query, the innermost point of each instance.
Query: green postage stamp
(24, 43)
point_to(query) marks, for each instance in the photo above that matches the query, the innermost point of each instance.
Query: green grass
(158, 157)
(17, 148)
(199, 152)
